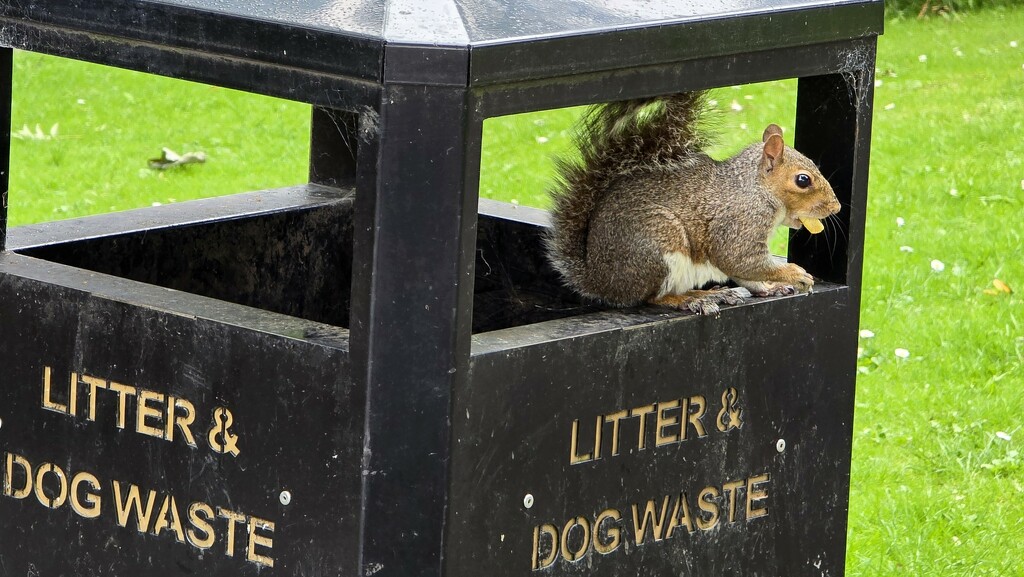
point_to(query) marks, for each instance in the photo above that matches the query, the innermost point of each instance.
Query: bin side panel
(136, 441)
(691, 446)
(305, 273)
(6, 77)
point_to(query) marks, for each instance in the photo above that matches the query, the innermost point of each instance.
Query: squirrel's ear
(773, 147)
(768, 132)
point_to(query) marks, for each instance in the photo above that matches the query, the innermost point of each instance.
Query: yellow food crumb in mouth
(812, 225)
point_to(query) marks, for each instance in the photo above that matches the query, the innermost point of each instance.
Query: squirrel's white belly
(683, 275)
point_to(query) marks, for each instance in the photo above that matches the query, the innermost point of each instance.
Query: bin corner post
(411, 323)
(6, 78)
(332, 146)
(833, 128)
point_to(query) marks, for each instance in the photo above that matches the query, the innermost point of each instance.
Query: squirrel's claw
(703, 302)
(776, 290)
(703, 306)
(707, 304)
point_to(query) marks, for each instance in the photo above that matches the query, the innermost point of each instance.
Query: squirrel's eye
(803, 180)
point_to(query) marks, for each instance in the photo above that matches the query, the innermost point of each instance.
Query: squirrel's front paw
(796, 276)
(774, 289)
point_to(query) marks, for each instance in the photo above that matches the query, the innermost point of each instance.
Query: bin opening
(289, 251)
(285, 250)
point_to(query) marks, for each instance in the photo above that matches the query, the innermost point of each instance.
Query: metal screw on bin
(780, 445)
(528, 501)
(286, 497)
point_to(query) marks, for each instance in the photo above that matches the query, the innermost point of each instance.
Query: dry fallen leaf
(1002, 286)
(169, 158)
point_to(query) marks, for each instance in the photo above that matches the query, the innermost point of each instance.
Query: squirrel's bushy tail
(614, 140)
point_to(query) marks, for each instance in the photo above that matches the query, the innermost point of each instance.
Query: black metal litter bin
(375, 373)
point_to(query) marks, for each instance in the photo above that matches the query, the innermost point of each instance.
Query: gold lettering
(228, 442)
(569, 525)
(133, 503)
(259, 541)
(181, 421)
(695, 418)
(73, 394)
(642, 412)
(657, 526)
(708, 506)
(122, 396)
(672, 422)
(574, 457)
(673, 520)
(62, 480)
(94, 385)
(91, 508)
(597, 437)
(173, 521)
(680, 516)
(552, 532)
(730, 488)
(168, 432)
(9, 489)
(143, 411)
(730, 416)
(47, 403)
(660, 438)
(201, 524)
(754, 494)
(233, 518)
(614, 419)
(613, 533)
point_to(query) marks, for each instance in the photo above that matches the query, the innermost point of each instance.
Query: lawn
(938, 471)
(938, 475)
(83, 139)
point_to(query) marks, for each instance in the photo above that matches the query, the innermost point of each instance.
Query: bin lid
(458, 41)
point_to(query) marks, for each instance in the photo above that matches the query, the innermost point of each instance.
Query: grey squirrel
(646, 216)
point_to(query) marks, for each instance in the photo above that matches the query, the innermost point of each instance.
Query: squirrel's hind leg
(703, 302)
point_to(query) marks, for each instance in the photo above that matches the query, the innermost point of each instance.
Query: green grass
(109, 122)
(519, 150)
(941, 8)
(938, 471)
(935, 490)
